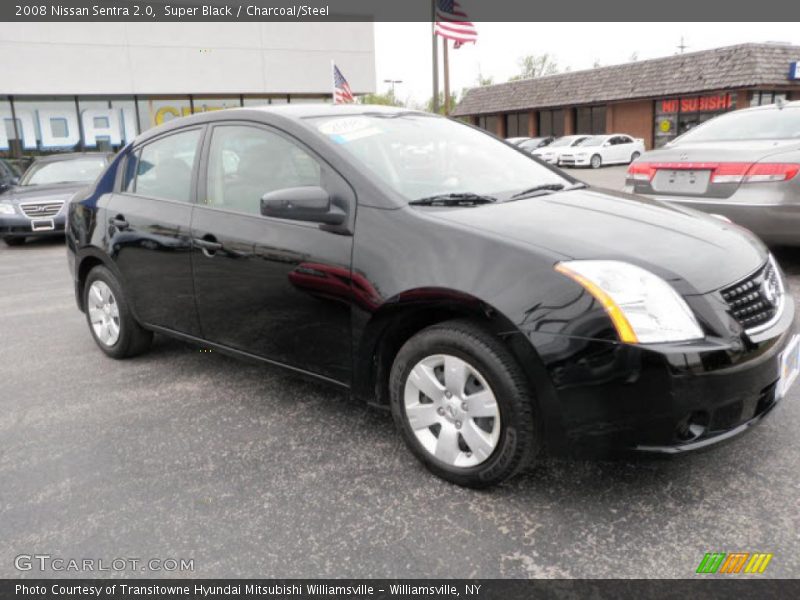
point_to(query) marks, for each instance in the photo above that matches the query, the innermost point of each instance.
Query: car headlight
(6, 208)
(644, 308)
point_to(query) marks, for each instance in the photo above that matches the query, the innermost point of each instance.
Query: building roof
(740, 66)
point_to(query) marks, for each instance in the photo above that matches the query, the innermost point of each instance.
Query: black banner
(387, 10)
(742, 588)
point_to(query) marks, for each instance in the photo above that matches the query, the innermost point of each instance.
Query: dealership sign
(794, 71)
(711, 103)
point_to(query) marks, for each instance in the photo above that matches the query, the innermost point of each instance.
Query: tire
(130, 339)
(506, 441)
(14, 241)
(596, 161)
(635, 155)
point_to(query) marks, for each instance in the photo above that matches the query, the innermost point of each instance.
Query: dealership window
(551, 122)
(200, 105)
(517, 124)
(9, 142)
(264, 100)
(310, 99)
(590, 120)
(762, 98)
(157, 111)
(488, 122)
(47, 124)
(107, 124)
(675, 116)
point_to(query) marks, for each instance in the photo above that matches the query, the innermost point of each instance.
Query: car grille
(41, 210)
(756, 300)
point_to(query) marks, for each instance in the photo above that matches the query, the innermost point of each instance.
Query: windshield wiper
(546, 187)
(455, 199)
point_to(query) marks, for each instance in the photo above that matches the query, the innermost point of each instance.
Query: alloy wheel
(103, 313)
(452, 410)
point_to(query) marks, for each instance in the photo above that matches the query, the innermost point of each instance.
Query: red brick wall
(569, 121)
(634, 118)
(533, 123)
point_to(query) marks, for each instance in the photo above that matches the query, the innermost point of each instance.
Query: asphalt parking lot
(251, 471)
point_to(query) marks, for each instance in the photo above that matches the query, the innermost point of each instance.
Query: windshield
(419, 155)
(769, 124)
(78, 170)
(594, 140)
(566, 141)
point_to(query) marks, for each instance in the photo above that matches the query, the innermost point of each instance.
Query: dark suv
(494, 303)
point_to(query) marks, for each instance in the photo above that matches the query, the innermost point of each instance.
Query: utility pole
(435, 59)
(682, 46)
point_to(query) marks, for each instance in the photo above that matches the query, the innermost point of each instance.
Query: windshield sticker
(349, 129)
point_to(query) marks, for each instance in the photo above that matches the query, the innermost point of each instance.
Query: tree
(481, 81)
(453, 102)
(387, 99)
(533, 66)
(596, 64)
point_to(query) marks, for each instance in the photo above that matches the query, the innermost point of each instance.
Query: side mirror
(307, 203)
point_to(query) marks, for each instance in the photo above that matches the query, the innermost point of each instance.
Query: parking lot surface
(251, 471)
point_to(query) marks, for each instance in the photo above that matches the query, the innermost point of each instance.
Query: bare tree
(536, 65)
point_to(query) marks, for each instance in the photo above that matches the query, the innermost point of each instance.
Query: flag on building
(451, 23)
(342, 94)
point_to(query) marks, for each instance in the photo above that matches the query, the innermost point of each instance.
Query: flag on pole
(451, 23)
(342, 94)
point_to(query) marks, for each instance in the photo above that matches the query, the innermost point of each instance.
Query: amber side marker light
(618, 318)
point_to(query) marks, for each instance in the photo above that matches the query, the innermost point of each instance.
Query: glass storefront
(31, 126)
(517, 124)
(590, 120)
(675, 116)
(551, 122)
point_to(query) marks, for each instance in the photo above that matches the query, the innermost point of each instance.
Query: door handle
(119, 222)
(208, 245)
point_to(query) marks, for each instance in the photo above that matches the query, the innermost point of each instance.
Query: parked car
(598, 150)
(9, 175)
(532, 144)
(742, 165)
(552, 152)
(296, 235)
(517, 140)
(34, 207)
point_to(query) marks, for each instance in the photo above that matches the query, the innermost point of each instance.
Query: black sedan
(33, 207)
(494, 304)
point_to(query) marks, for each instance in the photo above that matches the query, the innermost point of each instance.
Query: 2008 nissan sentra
(496, 305)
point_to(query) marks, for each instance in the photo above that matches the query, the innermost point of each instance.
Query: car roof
(70, 156)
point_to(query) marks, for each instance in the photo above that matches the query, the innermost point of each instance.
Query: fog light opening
(692, 426)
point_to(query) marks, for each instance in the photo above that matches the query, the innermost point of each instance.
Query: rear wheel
(596, 161)
(463, 405)
(110, 321)
(635, 155)
(14, 241)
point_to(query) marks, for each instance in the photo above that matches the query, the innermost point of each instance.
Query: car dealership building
(94, 86)
(655, 100)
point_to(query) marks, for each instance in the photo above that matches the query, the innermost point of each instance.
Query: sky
(403, 50)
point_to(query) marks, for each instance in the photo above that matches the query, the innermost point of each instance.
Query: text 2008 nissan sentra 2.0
(495, 304)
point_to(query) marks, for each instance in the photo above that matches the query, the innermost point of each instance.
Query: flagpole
(333, 82)
(446, 67)
(435, 58)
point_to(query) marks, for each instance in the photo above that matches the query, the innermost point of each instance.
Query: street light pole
(392, 82)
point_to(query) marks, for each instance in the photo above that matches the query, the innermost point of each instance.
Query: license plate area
(681, 181)
(42, 225)
(790, 366)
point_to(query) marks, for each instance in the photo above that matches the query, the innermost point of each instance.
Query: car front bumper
(575, 161)
(22, 226)
(607, 397)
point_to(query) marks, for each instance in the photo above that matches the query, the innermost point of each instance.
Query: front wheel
(463, 405)
(110, 321)
(596, 162)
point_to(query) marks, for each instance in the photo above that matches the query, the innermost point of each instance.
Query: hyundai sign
(794, 71)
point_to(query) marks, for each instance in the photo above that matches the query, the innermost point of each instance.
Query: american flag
(451, 23)
(342, 94)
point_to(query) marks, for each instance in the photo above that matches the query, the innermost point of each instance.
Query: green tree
(533, 66)
(453, 102)
(482, 81)
(387, 99)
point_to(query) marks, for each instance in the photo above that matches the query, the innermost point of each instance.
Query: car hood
(39, 193)
(696, 252)
(722, 151)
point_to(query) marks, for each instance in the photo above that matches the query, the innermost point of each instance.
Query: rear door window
(163, 169)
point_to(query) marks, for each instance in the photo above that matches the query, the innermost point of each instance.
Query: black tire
(519, 440)
(133, 338)
(596, 164)
(14, 241)
(635, 155)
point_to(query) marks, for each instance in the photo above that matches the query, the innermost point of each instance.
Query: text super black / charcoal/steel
(497, 306)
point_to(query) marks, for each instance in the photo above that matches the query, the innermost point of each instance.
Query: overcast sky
(403, 50)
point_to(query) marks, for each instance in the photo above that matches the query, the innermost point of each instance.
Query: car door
(624, 148)
(270, 287)
(149, 230)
